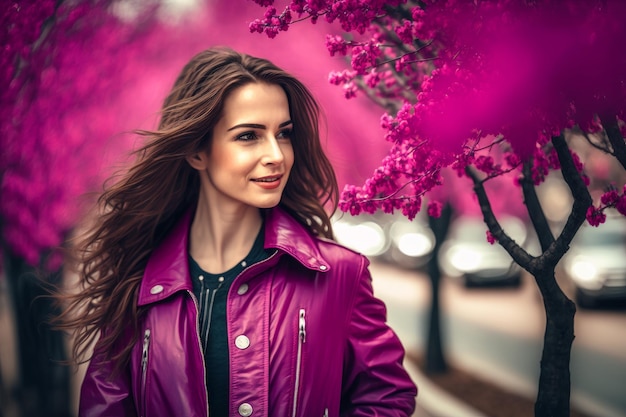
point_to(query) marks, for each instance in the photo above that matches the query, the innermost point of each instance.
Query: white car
(388, 237)
(467, 255)
(596, 262)
(362, 233)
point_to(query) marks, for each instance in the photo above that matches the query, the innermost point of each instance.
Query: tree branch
(615, 137)
(390, 106)
(582, 201)
(519, 255)
(604, 147)
(533, 206)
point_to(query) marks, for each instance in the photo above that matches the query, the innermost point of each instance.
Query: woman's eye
(285, 134)
(248, 136)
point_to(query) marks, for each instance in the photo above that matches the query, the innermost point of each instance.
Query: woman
(211, 281)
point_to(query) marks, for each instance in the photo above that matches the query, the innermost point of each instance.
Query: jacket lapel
(167, 270)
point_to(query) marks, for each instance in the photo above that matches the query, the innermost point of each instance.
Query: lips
(269, 178)
(269, 182)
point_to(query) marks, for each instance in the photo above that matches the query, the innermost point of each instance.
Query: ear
(198, 161)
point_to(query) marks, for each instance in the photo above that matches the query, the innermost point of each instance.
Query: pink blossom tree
(486, 89)
(56, 72)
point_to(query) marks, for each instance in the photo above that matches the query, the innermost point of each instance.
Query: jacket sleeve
(375, 382)
(104, 393)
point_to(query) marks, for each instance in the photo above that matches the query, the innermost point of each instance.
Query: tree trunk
(553, 397)
(435, 358)
(43, 386)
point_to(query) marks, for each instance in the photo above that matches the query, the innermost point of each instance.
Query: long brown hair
(136, 212)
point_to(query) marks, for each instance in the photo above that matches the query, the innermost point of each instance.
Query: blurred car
(468, 256)
(388, 237)
(362, 233)
(596, 262)
(411, 242)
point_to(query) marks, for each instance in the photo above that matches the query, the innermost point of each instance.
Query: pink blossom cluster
(50, 156)
(352, 15)
(610, 199)
(409, 170)
(271, 23)
(459, 73)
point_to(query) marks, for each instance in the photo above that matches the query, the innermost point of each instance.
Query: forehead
(256, 100)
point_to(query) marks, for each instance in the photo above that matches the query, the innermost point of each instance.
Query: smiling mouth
(268, 179)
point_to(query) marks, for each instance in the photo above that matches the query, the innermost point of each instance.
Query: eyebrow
(257, 126)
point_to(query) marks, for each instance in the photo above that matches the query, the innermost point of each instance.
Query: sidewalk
(432, 401)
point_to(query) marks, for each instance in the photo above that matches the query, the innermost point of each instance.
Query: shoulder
(285, 233)
(341, 257)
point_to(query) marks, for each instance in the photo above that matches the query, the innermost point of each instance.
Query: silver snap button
(323, 267)
(243, 288)
(244, 264)
(156, 289)
(245, 410)
(242, 342)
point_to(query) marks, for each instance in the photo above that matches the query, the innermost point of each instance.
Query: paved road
(499, 333)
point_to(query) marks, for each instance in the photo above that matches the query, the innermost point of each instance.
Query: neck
(220, 238)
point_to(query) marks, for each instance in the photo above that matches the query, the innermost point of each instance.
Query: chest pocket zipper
(144, 369)
(301, 341)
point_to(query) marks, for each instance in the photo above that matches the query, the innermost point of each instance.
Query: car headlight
(414, 244)
(367, 238)
(585, 274)
(411, 239)
(466, 260)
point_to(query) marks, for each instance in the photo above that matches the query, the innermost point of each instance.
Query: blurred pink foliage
(63, 64)
(79, 78)
(461, 79)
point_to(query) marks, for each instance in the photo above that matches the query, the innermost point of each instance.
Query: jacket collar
(167, 270)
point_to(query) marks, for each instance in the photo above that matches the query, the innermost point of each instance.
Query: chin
(267, 204)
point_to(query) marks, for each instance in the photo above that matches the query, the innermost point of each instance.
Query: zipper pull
(302, 326)
(144, 352)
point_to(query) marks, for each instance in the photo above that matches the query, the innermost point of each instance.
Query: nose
(272, 152)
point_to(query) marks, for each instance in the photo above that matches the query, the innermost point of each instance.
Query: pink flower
(595, 217)
(434, 208)
(336, 44)
(610, 198)
(349, 90)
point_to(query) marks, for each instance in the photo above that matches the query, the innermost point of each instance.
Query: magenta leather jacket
(307, 338)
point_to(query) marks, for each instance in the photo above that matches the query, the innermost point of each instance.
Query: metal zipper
(210, 311)
(325, 412)
(144, 366)
(195, 302)
(301, 341)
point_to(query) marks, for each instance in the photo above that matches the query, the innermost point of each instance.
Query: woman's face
(251, 155)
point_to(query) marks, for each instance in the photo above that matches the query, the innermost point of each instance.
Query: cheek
(288, 154)
(232, 159)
